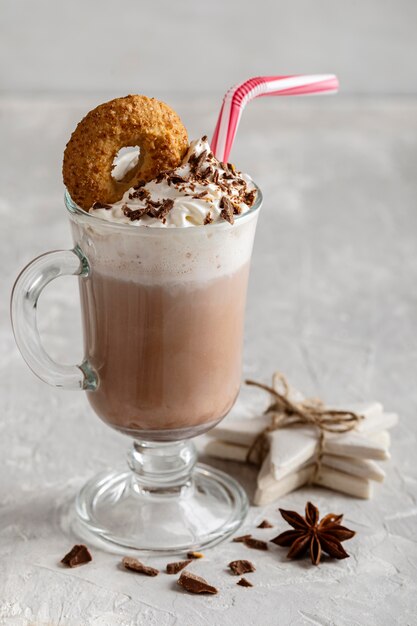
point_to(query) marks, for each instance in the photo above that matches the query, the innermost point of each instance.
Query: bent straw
(237, 97)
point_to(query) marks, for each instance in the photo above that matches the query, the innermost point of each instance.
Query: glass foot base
(116, 510)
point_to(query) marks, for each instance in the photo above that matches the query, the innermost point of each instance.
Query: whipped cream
(200, 191)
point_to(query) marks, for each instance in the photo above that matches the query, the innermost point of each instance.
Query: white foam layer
(162, 256)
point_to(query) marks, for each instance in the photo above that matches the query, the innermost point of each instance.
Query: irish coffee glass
(163, 312)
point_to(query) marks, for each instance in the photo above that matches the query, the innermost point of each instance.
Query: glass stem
(162, 468)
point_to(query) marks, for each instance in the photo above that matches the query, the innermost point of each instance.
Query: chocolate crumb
(237, 209)
(244, 582)
(133, 215)
(100, 205)
(208, 219)
(195, 584)
(256, 544)
(78, 555)
(137, 214)
(176, 180)
(174, 568)
(227, 212)
(136, 566)
(140, 194)
(241, 567)
(160, 177)
(241, 539)
(250, 198)
(165, 208)
(204, 138)
(198, 162)
(197, 196)
(206, 173)
(192, 160)
(194, 555)
(155, 204)
(265, 524)
(152, 207)
(216, 176)
(231, 168)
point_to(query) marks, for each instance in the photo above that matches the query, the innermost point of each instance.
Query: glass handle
(26, 291)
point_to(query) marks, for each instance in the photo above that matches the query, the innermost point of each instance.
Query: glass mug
(163, 316)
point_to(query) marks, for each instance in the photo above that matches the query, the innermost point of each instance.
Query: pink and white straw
(238, 96)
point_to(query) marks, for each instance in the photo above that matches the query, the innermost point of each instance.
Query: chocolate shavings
(141, 194)
(165, 208)
(250, 197)
(196, 162)
(133, 214)
(244, 582)
(175, 180)
(227, 212)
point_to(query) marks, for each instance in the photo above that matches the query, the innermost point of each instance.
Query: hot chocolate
(163, 311)
(167, 357)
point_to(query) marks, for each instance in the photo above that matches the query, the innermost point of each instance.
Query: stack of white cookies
(349, 461)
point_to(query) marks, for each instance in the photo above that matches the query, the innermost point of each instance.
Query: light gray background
(332, 299)
(197, 46)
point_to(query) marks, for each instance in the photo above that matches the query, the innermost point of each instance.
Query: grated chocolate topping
(140, 194)
(227, 212)
(165, 208)
(200, 191)
(133, 214)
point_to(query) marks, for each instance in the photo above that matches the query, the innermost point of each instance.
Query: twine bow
(285, 412)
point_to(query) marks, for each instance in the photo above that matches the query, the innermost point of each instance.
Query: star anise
(313, 535)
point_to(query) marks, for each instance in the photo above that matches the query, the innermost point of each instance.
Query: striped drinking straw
(238, 96)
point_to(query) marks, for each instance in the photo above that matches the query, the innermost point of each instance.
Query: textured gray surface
(191, 46)
(332, 303)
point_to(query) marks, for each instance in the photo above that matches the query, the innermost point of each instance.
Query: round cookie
(131, 121)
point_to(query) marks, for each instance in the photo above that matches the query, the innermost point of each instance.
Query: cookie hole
(126, 164)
